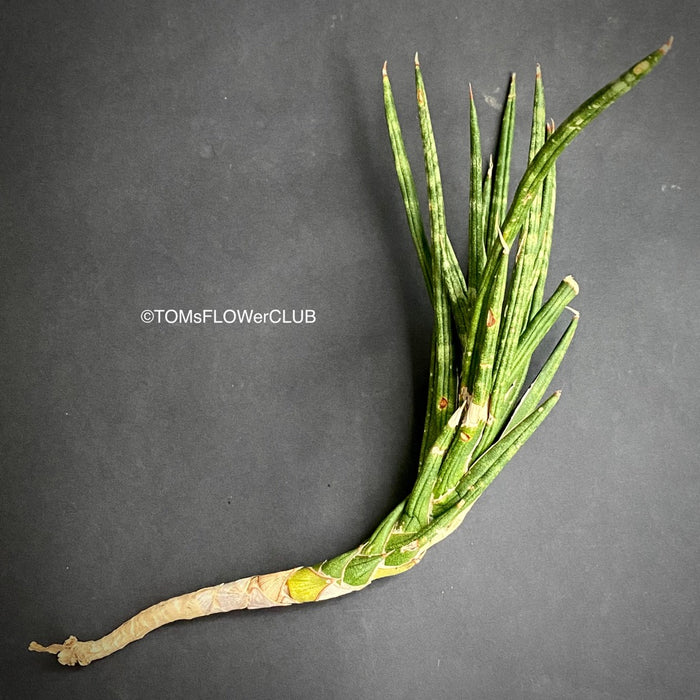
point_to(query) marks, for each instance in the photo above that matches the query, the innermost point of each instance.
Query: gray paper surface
(233, 157)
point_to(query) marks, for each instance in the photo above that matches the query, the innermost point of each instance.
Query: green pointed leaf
(407, 185)
(544, 378)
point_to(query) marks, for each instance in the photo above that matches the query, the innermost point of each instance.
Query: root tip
(70, 653)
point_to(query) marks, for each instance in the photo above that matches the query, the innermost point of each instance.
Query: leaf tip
(416, 61)
(572, 283)
(511, 88)
(576, 314)
(505, 248)
(667, 46)
(384, 73)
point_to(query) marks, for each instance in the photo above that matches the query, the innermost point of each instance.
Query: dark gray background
(231, 154)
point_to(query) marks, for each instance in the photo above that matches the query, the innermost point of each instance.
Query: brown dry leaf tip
(643, 66)
(576, 314)
(415, 60)
(538, 71)
(572, 283)
(471, 93)
(384, 73)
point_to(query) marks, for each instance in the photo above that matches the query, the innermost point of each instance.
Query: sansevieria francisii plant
(487, 325)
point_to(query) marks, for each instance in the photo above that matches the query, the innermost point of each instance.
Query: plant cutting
(489, 320)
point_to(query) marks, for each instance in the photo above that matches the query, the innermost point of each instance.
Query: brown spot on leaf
(490, 319)
(443, 403)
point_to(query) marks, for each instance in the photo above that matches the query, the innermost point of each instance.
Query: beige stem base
(264, 591)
